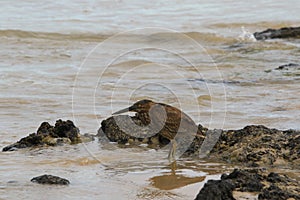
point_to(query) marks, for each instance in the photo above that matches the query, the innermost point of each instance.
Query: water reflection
(171, 180)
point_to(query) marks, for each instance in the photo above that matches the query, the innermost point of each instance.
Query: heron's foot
(172, 151)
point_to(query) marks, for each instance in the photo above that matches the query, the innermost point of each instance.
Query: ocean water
(85, 60)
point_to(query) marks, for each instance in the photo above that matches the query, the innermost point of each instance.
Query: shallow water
(83, 61)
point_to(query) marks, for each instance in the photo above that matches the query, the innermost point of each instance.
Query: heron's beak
(121, 111)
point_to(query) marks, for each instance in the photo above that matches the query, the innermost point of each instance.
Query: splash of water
(246, 35)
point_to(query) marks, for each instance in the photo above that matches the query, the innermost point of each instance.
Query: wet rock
(275, 193)
(290, 66)
(195, 146)
(120, 129)
(253, 146)
(64, 132)
(280, 187)
(245, 180)
(286, 32)
(258, 146)
(50, 179)
(66, 129)
(216, 190)
(113, 131)
(267, 185)
(289, 70)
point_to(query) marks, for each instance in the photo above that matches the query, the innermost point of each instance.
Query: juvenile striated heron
(168, 120)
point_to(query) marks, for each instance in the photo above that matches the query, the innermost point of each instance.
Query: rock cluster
(259, 146)
(64, 132)
(254, 145)
(266, 185)
(286, 32)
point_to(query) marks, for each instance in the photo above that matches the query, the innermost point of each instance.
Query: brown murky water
(83, 61)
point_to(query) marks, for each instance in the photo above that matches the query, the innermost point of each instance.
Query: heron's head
(140, 106)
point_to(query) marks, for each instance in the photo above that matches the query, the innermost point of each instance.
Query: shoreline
(222, 149)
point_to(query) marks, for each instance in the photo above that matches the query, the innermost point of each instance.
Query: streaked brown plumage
(167, 120)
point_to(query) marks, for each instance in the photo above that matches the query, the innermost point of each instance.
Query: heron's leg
(172, 151)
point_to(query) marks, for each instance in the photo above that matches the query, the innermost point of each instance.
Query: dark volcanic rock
(290, 70)
(114, 133)
(275, 193)
(245, 180)
(287, 32)
(66, 129)
(216, 190)
(258, 146)
(288, 67)
(253, 146)
(29, 141)
(63, 132)
(281, 187)
(195, 146)
(49, 179)
(120, 129)
(268, 186)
